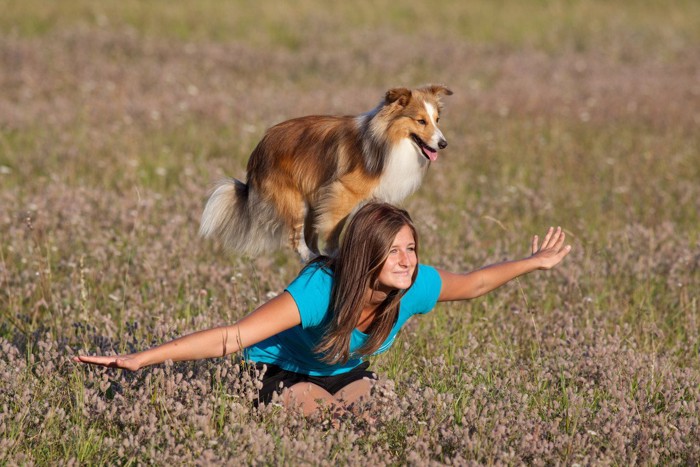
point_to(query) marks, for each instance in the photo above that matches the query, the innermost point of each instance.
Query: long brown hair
(356, 267)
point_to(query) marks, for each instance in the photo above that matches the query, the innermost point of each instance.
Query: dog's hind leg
(299, 243)
(337, 202)
(291, 209)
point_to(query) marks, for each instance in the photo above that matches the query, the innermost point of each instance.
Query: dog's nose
(442, 144)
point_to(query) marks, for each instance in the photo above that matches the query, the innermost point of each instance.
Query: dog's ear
(438, 89)
(402, 96)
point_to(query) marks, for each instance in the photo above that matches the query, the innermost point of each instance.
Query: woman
(315, 336)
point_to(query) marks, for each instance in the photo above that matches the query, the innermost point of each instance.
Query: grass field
(117, 117)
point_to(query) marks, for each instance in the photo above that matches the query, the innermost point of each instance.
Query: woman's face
(398, 268)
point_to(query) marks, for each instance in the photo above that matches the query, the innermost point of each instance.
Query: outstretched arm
(484, 280)
(275, 316)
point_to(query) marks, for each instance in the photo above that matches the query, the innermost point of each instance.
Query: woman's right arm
(273, 317)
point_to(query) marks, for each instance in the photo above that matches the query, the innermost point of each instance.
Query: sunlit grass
(554, 25)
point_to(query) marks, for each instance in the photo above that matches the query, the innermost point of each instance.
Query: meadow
(117, 117)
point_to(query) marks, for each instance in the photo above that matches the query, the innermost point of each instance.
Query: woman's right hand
(125, 362)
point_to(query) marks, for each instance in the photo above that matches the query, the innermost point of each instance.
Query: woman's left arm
(484, 280)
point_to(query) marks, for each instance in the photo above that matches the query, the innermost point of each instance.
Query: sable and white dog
(308, 174)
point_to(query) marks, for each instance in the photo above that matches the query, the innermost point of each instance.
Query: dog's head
(415, 114)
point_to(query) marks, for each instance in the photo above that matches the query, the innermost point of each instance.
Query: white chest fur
(403, 173)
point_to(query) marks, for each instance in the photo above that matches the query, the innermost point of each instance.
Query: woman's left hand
(552, 250)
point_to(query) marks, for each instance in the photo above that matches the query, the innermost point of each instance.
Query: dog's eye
(437, 120)
(422, 122)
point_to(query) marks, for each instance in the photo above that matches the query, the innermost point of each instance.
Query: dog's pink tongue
(431, 153)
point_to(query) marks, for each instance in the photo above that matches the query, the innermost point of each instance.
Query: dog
(309, 174)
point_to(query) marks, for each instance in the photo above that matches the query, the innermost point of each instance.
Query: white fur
(431, 113)
(437, 135)
(305, 253)
(403, 173)
(219, 202)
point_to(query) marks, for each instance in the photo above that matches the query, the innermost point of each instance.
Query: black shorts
(276, 379)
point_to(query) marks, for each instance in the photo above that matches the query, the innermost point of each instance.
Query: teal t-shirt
(292, 349)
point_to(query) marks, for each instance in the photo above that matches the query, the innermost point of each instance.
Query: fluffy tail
(240, 220)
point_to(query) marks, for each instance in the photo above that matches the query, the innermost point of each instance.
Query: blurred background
(117, 117)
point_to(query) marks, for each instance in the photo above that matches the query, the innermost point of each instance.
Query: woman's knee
(309, 396)
(356, 391)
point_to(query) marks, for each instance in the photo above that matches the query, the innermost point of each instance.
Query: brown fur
(308, 174)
